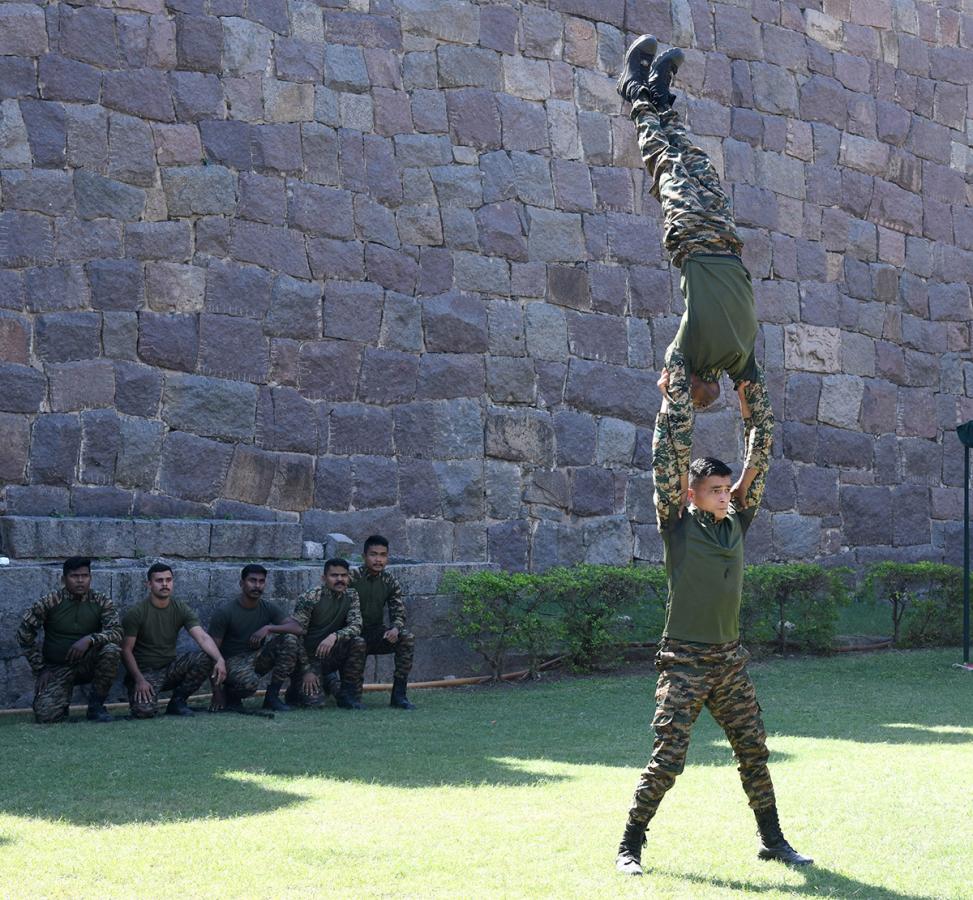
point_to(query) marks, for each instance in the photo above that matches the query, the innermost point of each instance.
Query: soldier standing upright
(81, 636)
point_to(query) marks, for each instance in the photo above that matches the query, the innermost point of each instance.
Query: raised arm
(672, 442)
(758, 434)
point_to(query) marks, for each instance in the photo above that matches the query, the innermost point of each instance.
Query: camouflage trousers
(690, 677)
(695, 209)
(404, 648)
(97, 667)
(347, 658)
(182, 676)
(279, 655)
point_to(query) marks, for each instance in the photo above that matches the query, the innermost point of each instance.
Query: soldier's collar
(701, 515)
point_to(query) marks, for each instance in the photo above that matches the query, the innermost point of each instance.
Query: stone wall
(392, 264)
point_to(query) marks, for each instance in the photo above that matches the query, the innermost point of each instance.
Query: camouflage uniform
(693, 674)
(347, 656)
(185, 673)
(404, 648)
(97, 666)
(696, 211)
(279, 654)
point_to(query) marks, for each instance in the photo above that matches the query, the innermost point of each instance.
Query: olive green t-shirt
(234, 624)
(72, 619)
(719, 326)
(156, 631)
(704, 565)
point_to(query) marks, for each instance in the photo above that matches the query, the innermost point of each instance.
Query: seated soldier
(81, 636)
(378, 590)
(240, 630)
(151, 629)
(329, 618)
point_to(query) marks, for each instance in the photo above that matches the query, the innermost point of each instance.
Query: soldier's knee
(288, 641)
(110, 651)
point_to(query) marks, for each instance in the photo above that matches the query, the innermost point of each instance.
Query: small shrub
(792, 603)
(925, 600)
(499, 612)
(594, 605)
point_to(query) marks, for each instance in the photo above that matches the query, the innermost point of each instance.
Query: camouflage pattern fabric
(370, 587)
(404, 648)
(692, 676)
(672, 440)
(279, 655)
(347, 657)
(183, 676)
(35, 618)
(97, 666)
(696, 212)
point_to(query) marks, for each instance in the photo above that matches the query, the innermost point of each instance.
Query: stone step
(50, 537)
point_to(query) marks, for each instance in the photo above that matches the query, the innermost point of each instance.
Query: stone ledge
(43, 537)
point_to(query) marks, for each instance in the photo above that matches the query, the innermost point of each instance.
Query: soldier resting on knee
(81, 636)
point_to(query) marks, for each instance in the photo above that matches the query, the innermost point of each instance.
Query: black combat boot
(96, 709)
(660, 78)
(772, 842)
(233, 701)
(345, 698)
(629, 859)
(272, 699)
(178, 706)
(399, 699)
(635, 69)
(331, 684)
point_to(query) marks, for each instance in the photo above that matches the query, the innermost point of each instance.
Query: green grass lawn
(516, 791)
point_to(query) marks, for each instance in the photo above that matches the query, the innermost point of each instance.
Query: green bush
(792, 604)
(599, 608)
(925, 601)
(586, 612)
(500, 612)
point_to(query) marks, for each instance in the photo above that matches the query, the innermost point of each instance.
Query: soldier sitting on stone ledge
(719, 326)
(151, 629)
(242, 631)
(81, 637)
(377, 590)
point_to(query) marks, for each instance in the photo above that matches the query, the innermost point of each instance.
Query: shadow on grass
(818, 882)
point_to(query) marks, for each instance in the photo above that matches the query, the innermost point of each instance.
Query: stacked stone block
(374, 265)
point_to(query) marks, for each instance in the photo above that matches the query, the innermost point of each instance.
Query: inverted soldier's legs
(52, 701)
(679, 698)
(733, 703)
(695, 210)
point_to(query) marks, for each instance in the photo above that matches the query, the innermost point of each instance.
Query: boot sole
(770, 855)
(644, 48)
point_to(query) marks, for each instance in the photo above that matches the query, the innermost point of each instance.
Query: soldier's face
(160, 585)
(336, 578)
(712, 495)
(253, 586)
(78, 582)
(376, 558)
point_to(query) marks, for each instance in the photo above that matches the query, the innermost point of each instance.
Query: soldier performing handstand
(700, 659)
(718, 329)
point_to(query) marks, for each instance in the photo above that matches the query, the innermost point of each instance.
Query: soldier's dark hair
(336, 562)
(252, 569)
(155, 568)
(73, 563)
(707, 467)
(376, 540)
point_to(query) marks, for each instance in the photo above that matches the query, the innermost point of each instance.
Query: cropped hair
(73, 563)
(155, 568)
(376, 540)
(252, 569)
(707, 467)
(336, 562)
